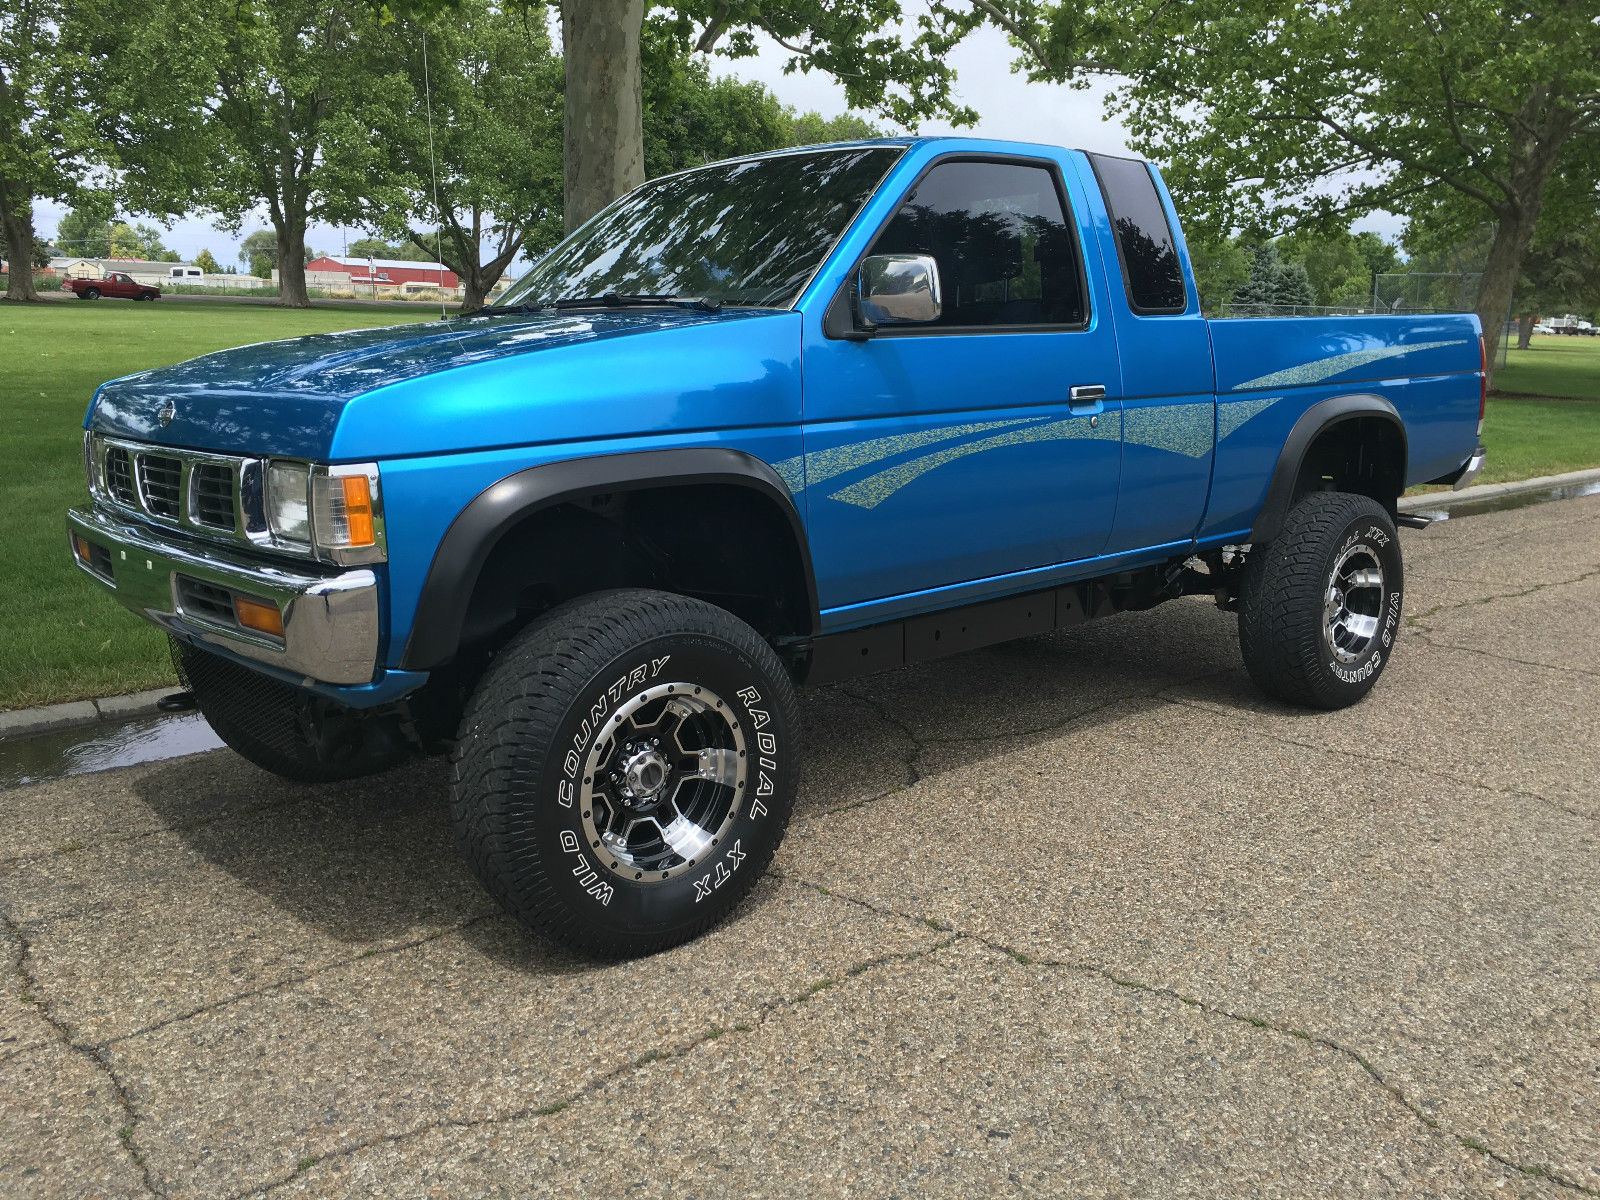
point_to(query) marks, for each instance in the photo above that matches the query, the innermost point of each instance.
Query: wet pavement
(1083, 914)
(84, 750)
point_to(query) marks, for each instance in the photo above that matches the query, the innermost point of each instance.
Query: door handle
(1086, 393)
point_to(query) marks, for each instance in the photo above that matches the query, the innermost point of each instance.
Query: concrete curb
(25, 722)
(1489, 491)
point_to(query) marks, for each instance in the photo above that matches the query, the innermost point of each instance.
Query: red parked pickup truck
(116, 287)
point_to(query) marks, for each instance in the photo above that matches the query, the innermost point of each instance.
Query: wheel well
(726, 544)
(1361, 454)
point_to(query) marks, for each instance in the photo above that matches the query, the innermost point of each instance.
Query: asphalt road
(1079, 915)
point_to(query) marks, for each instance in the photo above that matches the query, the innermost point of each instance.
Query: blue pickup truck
(765, 423)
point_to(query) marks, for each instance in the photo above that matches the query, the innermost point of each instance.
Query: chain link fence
(1425, 291)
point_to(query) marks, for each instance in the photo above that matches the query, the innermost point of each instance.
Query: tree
(138, 241)
(259, 253)
(207, 262)
(1221, 266)
(1339, 264)
(374, 247)
(47, 137)
(284, 105)
(1275, 113)
(888, 61)
(1272, 281)
(493, 142)
(1561, 274)
(692, 118)
(84, 231)
(813, 129)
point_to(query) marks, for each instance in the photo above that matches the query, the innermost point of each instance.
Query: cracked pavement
(1080, 914)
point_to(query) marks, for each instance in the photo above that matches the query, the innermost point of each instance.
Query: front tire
(1319, 609)
(626, 769)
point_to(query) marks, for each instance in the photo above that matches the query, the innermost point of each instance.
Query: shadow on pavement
(375, 860)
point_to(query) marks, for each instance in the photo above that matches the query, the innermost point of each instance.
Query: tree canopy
(287, 105)
(48, 139)
(1274, 114)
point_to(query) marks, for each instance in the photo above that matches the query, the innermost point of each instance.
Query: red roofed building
(335, 270)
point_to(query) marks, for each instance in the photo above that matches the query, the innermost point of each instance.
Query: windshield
(738, 233)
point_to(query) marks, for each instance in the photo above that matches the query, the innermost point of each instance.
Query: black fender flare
(477, 529)
(1320, 417)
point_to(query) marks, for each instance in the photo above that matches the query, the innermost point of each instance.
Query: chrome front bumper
(1471, 471)
(330, 622)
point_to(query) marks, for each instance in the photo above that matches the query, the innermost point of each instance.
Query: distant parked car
(114, 287)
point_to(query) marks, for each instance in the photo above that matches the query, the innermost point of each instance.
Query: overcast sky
(1008, 106)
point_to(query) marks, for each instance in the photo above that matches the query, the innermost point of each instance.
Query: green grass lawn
(1553, 366)
(1539, 437)
(61, 637)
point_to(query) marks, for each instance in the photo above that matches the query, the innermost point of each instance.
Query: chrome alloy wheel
(664, 779)
(1353, 605)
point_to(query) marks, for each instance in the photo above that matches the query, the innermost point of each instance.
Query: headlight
(288, 503)
(335, 512)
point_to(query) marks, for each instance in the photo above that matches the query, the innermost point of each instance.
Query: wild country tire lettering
(766, 766)
(1391, 618)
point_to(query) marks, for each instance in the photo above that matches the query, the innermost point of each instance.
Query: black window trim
(840, 322)
(1138, 310)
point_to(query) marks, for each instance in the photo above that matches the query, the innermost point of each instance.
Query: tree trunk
(1543, 126)
(1525, 332)
(475, 285)
(1512, 237)
(604, 148)
(292, 264)
(16, 213)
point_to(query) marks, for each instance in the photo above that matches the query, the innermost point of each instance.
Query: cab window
(1006, 249)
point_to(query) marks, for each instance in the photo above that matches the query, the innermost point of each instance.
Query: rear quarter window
(1151, 273)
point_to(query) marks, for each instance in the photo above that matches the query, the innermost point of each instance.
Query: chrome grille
(161, 484)
(119, 476)
(215, 495)
(211, 493)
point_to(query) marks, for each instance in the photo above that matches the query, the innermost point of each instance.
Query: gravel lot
(1081, 915)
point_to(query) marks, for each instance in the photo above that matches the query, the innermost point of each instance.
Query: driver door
(975, 447)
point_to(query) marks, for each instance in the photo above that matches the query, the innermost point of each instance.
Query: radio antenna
(433, 168)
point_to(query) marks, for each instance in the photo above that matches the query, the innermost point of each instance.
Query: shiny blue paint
(931, 469)
(949, 436)
(1270, 370)
(423, 495)
(289, 397)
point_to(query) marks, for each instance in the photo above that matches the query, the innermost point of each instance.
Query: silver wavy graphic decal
(1176, 428)
(878, 487)
(811, 469)
(1234, 413)
(1337, 364)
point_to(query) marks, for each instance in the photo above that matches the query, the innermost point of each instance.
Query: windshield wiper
(626, 300)
(500, 310)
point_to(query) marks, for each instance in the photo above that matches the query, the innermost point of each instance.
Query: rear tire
(1319, 608)
(625, 770)
(90, 294)
(293, 734)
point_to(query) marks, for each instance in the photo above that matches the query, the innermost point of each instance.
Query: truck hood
(286, 397)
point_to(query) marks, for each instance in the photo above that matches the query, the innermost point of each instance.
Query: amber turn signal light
(262, 617)
(358, 509)
(81, 545)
